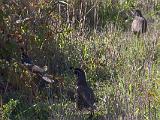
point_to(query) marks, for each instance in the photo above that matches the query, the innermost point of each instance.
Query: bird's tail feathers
(48, 79)
(38, 69)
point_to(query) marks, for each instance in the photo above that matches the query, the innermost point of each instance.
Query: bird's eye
(76, 72)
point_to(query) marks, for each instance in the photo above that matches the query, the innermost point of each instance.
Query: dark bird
(85, 97)
(25, 59)
(139, 24)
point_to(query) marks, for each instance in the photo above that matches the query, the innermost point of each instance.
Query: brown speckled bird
(139, 24)
(85, 97)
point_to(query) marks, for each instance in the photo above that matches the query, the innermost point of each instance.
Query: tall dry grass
(123, 70)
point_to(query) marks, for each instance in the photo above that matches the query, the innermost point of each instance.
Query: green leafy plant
(8, 109)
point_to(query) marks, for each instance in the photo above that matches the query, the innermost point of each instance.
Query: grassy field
(123, 70)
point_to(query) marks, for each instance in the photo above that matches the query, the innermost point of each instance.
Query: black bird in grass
(27, 61)
(85, 97)
(139, 24)
(41, 72)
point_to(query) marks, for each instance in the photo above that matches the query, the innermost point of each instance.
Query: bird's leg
(138, 34)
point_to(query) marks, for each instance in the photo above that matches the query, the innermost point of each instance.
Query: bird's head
(80, 74)
(77, 71)
(138, 13)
